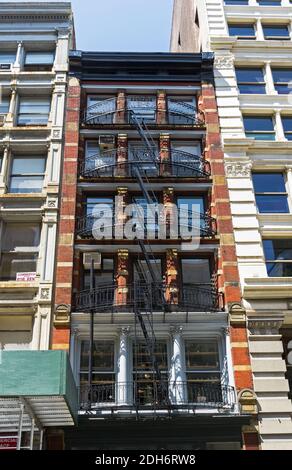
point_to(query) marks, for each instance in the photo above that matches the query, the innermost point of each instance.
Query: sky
(122, 25)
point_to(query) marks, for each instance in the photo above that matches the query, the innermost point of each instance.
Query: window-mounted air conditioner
(106, 142)
(87, 260)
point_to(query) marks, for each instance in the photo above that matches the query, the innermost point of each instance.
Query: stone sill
(6, 286)
(231, 42)
(248, 143)
(268, 287)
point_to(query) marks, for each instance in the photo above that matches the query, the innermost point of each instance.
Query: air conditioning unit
(87, 260)
(5, 67)
(107, 142)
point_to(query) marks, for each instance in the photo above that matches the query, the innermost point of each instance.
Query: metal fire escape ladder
(150, 339)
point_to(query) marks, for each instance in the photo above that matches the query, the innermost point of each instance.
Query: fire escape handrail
(176, 296)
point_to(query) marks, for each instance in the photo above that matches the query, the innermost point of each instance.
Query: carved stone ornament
(247, 401)
(265, 326)
(223, 62)
(238, 170)
(45, 293)
(62, 315)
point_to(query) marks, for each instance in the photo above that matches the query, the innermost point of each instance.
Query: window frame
(18, 175)
(239, 36)
(32, 115)
(274, 262)
(272, 193)
(252, 133)
(279, 84)
(249, 82)
(289, 132)
(269, 37)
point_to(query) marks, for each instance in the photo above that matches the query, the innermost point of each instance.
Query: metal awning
(37, 390)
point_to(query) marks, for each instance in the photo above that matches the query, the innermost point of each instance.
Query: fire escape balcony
(85, 226)
(105, 113)
(151, 396)
(199, 297)
(180, 165)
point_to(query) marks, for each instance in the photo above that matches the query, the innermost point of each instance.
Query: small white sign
(25, 277)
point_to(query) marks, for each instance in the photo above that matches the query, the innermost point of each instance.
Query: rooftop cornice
(40, 11)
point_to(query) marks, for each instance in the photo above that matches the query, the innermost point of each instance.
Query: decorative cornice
(265, 326)
(238, 169)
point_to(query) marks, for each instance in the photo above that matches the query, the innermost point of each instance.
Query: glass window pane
(39, 58)
(258, 123)
(7, 57)
(142, 360)
(26, 165)
(250, 75)
(14, 263)
(19, 236)
(26, 184)
(269, 182)
(279, 269)
(241, 30)
(276, 31)
(272, 204)
(103, 355)
(201, 355)
(269, 3)
(236, 2)
(282, 75)
(4, 105)
(142, 273)
(279, 249)
(195, 271)
(287, 123)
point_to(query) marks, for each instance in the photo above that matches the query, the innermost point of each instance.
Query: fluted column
(122, 155)
(161, 107)
(165, 167)
(122, 278)
(178, 392)
(123, 383)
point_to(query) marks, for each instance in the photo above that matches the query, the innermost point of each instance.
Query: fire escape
(143, 295)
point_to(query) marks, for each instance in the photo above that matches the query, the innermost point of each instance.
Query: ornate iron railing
(154, 395)
(196, 297)
(187, 227)
(176, 113)
(181, 165)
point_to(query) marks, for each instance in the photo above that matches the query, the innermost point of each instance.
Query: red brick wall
(65, 250)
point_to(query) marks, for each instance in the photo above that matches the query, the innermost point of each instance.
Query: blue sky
(122, 25)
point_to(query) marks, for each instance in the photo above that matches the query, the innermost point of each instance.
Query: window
(287, 125)
(27, 174)
(144, 107)
(181, 109)
(103, 276)
(278, 255)
(271, 194)
(103, 371)
(98, 207)
(259, 127)
(195, 271)
(39, 60)
(143, 374)
(145, 215)
(269, 3)
(282, 80)
(236, 2)
(100, 109)
(243, 30)
(186, 157)
(139, 152)
(202, 371)
(34, 111)
(251, 80)
(187, 205)
(142, 273)
(277, 32)
(7, 59)
(19, 250)
(96, 159)
(4, 107)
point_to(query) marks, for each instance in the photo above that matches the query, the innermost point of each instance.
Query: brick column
(165, 167)
(122, 156)
(122, 278)
(120, 217)
(171, 277)
(65, 250)
(227, 263)
(161, 107)
(168, 202)
(121, 107)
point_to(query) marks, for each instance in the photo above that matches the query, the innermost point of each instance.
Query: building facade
(35, 39)
(153, 323)
(251, 40)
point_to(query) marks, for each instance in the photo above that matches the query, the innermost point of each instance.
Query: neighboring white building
(35, 39)
(253, 68)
